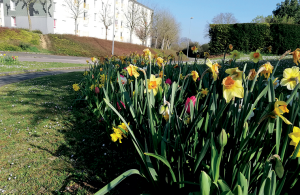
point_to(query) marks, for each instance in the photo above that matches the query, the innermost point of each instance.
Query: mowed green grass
(22, 67)
(49, 145)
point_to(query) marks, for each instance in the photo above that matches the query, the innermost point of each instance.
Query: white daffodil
(165, 109)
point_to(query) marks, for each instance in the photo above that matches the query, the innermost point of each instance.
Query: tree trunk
(106, 28)
(163, 43)
(155, 42)
(76, 26)
(29, 19)
(130, 36)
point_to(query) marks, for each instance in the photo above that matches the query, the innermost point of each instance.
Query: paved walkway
(4, 80)
(32, 57)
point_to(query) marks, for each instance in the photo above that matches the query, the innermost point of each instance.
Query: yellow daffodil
(129, 81)
(230, 47)
(291, 77)
(166, 116)
(267, 69)
(153, 84)
(87, 61)
(85, 73)
(232, 88)
(295, 136)
(256, 56)
(93, 59)
(103, 78)
(195, 75)
(188, 120)
(204, 92)
(235, 55)
(181, 77)
(76, 87)
(235, 73)
(214, 68)
(160, 61)
(117, 135)
(269, 48)
(147, 52)
(296, 56)
(161, 74)
(92, 87)
(123, 126)
(101, 69)
(194, 49)
(280, 107)
(132, 71)
(252, 74)
(206, 55)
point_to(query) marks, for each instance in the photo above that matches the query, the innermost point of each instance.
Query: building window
(12, 5)
(84, 15)
(13, 21)
(95, 16)
(54, 24)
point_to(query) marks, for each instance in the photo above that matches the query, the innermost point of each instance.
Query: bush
(9, 47)
(250, 37)
(37, 31)
(24, 46)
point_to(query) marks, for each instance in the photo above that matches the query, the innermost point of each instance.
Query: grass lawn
(22, 67)
(49, 145)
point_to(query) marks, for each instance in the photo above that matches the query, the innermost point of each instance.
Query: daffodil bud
(223, 138)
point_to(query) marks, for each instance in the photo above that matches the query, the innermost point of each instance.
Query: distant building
(54, 17)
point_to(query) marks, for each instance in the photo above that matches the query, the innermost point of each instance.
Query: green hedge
(248, 37)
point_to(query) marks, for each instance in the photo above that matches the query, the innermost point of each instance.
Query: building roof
(141, 4)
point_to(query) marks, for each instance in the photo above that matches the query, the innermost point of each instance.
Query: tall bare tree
(76, 10)
(168, 29)
(28, 4)
(222, 18)
(132, 15)
(106, 16)
(143, 30)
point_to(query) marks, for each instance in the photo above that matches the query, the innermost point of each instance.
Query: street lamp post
(113, 43)
(187, 53)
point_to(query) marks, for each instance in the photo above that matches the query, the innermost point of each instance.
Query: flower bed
(224, 123)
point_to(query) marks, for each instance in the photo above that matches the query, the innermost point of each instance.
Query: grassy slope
(12, 39)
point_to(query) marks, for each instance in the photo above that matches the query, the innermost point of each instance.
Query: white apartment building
(55, 17)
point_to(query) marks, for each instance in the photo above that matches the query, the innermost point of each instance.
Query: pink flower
(168, 81)
(187, 103)
(119, 105)
(121, 76)
(97, 90)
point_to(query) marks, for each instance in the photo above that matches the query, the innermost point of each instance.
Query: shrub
(249, 37)
(37, 31)
(24, 46)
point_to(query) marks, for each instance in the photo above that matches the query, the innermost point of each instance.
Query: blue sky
(203, 11)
